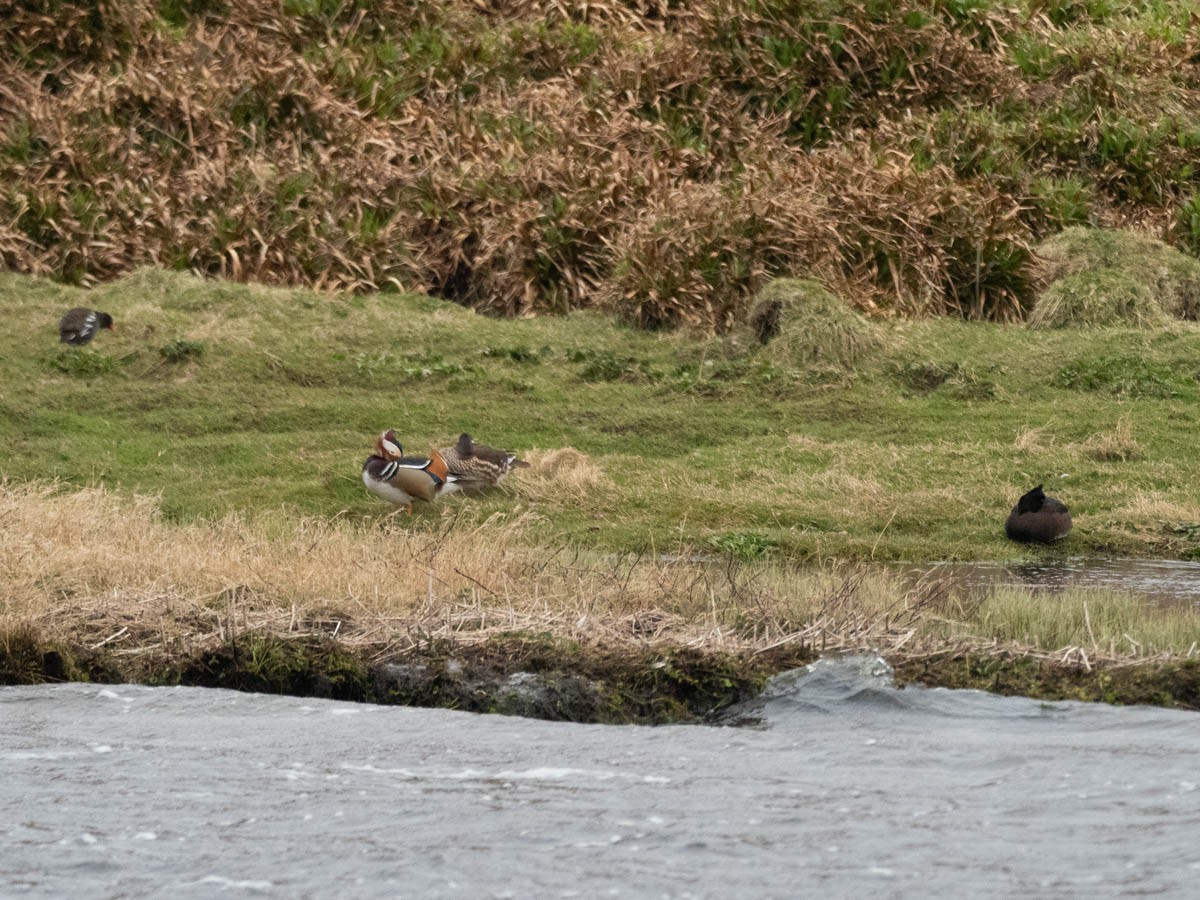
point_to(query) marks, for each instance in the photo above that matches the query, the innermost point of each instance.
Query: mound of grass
(83, 364)
(1095, 277)
(1097, 298)
(799, 321)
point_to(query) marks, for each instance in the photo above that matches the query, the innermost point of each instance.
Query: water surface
(849, 786)
(1155, 581)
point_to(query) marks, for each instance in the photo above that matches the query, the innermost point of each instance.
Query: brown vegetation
(660, 160)
(92, 571)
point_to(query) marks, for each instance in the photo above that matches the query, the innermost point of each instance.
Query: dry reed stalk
(650, 158)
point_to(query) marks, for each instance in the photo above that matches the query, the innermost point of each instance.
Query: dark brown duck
(1038, 519)
(79, 325)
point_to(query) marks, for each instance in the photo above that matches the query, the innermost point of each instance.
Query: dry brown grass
(1155, 506)
(1031, 439)
(565, 475)
(1117, 445)
(654, 159)
(93, 569)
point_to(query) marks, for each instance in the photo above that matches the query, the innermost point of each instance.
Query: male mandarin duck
(478, 465)
(400, 479)
(1038, 519)
(79, 325)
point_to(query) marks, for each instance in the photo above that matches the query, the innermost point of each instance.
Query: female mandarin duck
(400, 479)
(1038, 519)
(79, 325)
(478, 465)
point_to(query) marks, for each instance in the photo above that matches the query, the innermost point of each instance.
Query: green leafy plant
(83, 364)
(743, 544)
(182, 350)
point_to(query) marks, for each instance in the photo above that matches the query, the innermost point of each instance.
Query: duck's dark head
(1032, 501)
(104, 320)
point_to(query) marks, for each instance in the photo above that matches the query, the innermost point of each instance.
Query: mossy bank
(540, 677)
(535, 675)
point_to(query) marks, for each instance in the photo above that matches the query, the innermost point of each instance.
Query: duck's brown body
(478, 465)
(1038, 519)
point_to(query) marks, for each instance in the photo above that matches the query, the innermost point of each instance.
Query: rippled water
(849, 786)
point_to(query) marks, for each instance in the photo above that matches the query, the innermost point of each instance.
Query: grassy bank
(96, 587)
(182, 501)
(219, 399)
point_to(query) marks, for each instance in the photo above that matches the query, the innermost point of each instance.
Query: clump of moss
(1097, 277)
(264, 663)
(26, 657)
(798, 321)
(1173, 684)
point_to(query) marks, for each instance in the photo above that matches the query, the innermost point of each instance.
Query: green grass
(221, 397)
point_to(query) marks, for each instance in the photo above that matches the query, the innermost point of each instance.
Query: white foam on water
(233, 884)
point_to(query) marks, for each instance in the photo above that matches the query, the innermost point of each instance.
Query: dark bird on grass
(79, 325)
(478, 465)
(400, 479)
(1038, 519)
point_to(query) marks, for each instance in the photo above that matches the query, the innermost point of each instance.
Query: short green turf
(224, 398)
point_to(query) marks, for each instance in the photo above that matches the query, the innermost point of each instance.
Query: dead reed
(659, 160)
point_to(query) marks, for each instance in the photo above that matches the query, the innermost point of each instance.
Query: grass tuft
(1117, 445)
(181, 350)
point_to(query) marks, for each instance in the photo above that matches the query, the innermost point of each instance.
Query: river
(845, 786)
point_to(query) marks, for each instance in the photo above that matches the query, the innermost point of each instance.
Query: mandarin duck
(478, 465)
(400, 479)
(1038, 519)
(79, 325)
